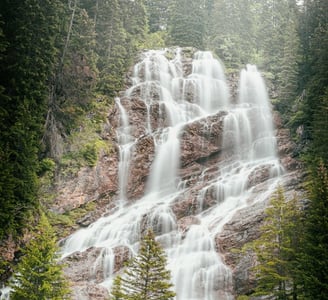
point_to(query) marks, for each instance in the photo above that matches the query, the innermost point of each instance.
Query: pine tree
(145, 277)
(27, 54)
(232, 31)
(314, 264)
(157, 12)
(187, 23)
(314, 75)
(38, 276)
(276, 249)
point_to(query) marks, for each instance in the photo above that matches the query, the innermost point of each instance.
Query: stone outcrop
(201, 139)
(86, 290)
(201, 147)
(85, 270)
(90, 184)
(85, 266)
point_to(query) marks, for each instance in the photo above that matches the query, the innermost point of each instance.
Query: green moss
(243, 297)
(85, 143)
(64, 223)
(47, 165)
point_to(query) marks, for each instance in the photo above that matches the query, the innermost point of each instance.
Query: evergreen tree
(314, 264)
(38, 276)
(232, 33)
(276, 249)
(287, 70)
(187, 23)
(314, 77)
(111, 48)
(157, 12)
(27, 49)
(145, 277)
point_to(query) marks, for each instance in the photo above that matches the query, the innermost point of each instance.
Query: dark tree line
(28, 54)
(54, 55)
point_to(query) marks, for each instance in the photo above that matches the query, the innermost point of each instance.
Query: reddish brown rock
(201, 139)
(122, 255)
(141, 160)
(259, 175)
(89, 291)
(90, 184)
(85, 266)
(185, 223)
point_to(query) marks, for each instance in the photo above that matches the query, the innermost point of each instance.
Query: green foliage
(145, 277)
(38, 275)
(243, 298)
(277, 247)
(63, 224)
(158, 14)
(47, 165)
(121, 28)
(187, 24)
(320, 123)
(27, 51)
(155, 40)
(313, 77)
(314, 265)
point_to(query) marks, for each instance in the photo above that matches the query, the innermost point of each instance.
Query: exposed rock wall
(201, 147)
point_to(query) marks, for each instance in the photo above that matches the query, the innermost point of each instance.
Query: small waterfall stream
(198, 271)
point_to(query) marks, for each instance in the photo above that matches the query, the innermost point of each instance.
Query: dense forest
(64, 61)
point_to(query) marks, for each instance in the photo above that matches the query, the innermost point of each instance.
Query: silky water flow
(198, 272)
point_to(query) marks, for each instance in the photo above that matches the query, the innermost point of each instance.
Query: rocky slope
(201, 147)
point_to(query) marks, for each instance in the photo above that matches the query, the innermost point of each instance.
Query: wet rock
(185, 205)
(85, 266)
(141, 160)
(259, 175)
(89, 291)
(185, 223)
(240, 230)
(122, 255)
(201, 139)
(85, 271)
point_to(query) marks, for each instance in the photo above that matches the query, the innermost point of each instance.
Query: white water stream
(198, 271)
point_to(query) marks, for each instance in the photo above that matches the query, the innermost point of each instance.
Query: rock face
(85, 270)
(203, 154)
(89, 184)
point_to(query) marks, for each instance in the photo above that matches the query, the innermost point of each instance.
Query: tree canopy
(145, 276)
(38, 275)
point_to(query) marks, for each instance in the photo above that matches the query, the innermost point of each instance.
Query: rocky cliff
(204, 149)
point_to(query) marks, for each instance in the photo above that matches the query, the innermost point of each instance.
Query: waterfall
(5, 293)
(198, 271)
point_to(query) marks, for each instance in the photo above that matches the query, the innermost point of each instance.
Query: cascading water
(198, 271)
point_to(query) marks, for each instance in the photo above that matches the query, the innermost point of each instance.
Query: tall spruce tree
(187, 23)
(314, 264)
(27, 52)
(145, 277)
(314, 77)
(157, 12)
(276, 249)
(38, 276)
